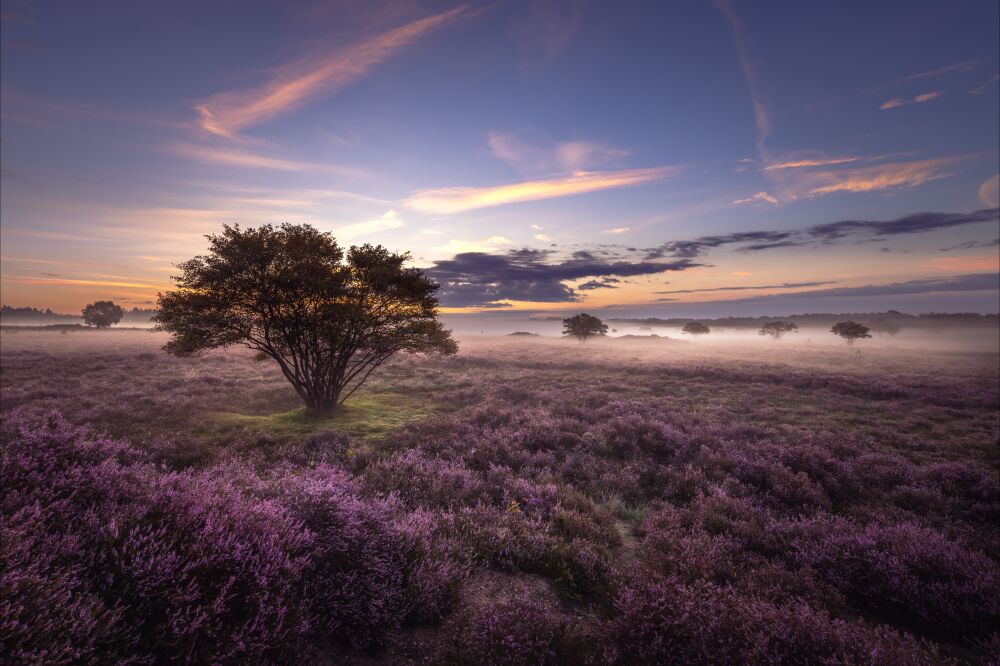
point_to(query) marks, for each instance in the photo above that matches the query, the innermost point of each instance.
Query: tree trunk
(321, 408)
(322, 405)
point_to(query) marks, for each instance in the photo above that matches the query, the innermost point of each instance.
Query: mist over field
(531, 333)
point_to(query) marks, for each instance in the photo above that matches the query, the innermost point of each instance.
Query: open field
(530, 500)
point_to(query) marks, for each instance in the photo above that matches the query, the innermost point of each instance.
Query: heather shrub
(48, 614)
(594, 526)
(423, 481)
(903, 571)
(834, 476)
(881, 471)
(632, 432)
(185, 565)
(780, 486)
(516, 632)
(499, 538)
(537, 500)
(662, 621)
(216, 565)
(434, 573)
(577, 569)
(691, 556)
(354, 578)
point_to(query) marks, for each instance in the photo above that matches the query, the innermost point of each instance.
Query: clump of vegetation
(329, 320)
(777, 329)
(109, 559)
(103, 314)
(696, 328)
(851, 331)
(584, 327)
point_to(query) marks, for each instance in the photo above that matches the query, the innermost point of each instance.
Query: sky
(534, 157)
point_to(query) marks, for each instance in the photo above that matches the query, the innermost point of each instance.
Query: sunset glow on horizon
(535, 157)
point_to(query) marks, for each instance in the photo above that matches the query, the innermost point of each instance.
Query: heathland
(530, 500)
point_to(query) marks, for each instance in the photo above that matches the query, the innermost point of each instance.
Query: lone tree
(776, 329)
(851, 331)
(290, 293)
(695, 328)
(584, 326)
(102, 314)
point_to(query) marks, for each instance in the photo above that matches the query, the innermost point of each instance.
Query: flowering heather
(541, 503)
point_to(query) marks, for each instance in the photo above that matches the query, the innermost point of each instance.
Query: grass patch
(366, 415)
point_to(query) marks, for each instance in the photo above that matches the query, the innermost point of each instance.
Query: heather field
(529, 500)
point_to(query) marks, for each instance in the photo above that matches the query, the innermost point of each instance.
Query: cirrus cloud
(292, 85)
(450, 200)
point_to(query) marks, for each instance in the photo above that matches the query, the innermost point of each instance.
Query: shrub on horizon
(776, 329)
(696, 328)
(851, 331)
(102, 314)
(584, 327)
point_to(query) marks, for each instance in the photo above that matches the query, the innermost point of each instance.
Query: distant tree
(102, 314)
(851, 331)
(584, 326)
(776, 329)
(695, 328)
(290, 293)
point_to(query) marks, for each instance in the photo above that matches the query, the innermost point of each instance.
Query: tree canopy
(328, 318)
(776, 329)
(102, 314)
(851, 331)
(584, 326)
(695, 328)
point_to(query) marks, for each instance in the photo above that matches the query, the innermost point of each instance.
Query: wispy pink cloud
(917, 99)
(980, 89)
(247, 159)
(448, 200)
(743, 51)
(759, 198)
(957, 67)
(292, 85)
(881, 177)
(927, 96)
(814, 162)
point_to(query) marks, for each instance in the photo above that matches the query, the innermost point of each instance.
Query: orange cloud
(798, 164)
(225, 114)
(242, 158)
(919, 99)
(448, 200)
(388, 220)
(760, 197)
(989, 191)
(70, 282)
(978, 263)
(881, 177)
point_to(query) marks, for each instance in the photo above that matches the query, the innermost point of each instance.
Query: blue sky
(541, 156)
